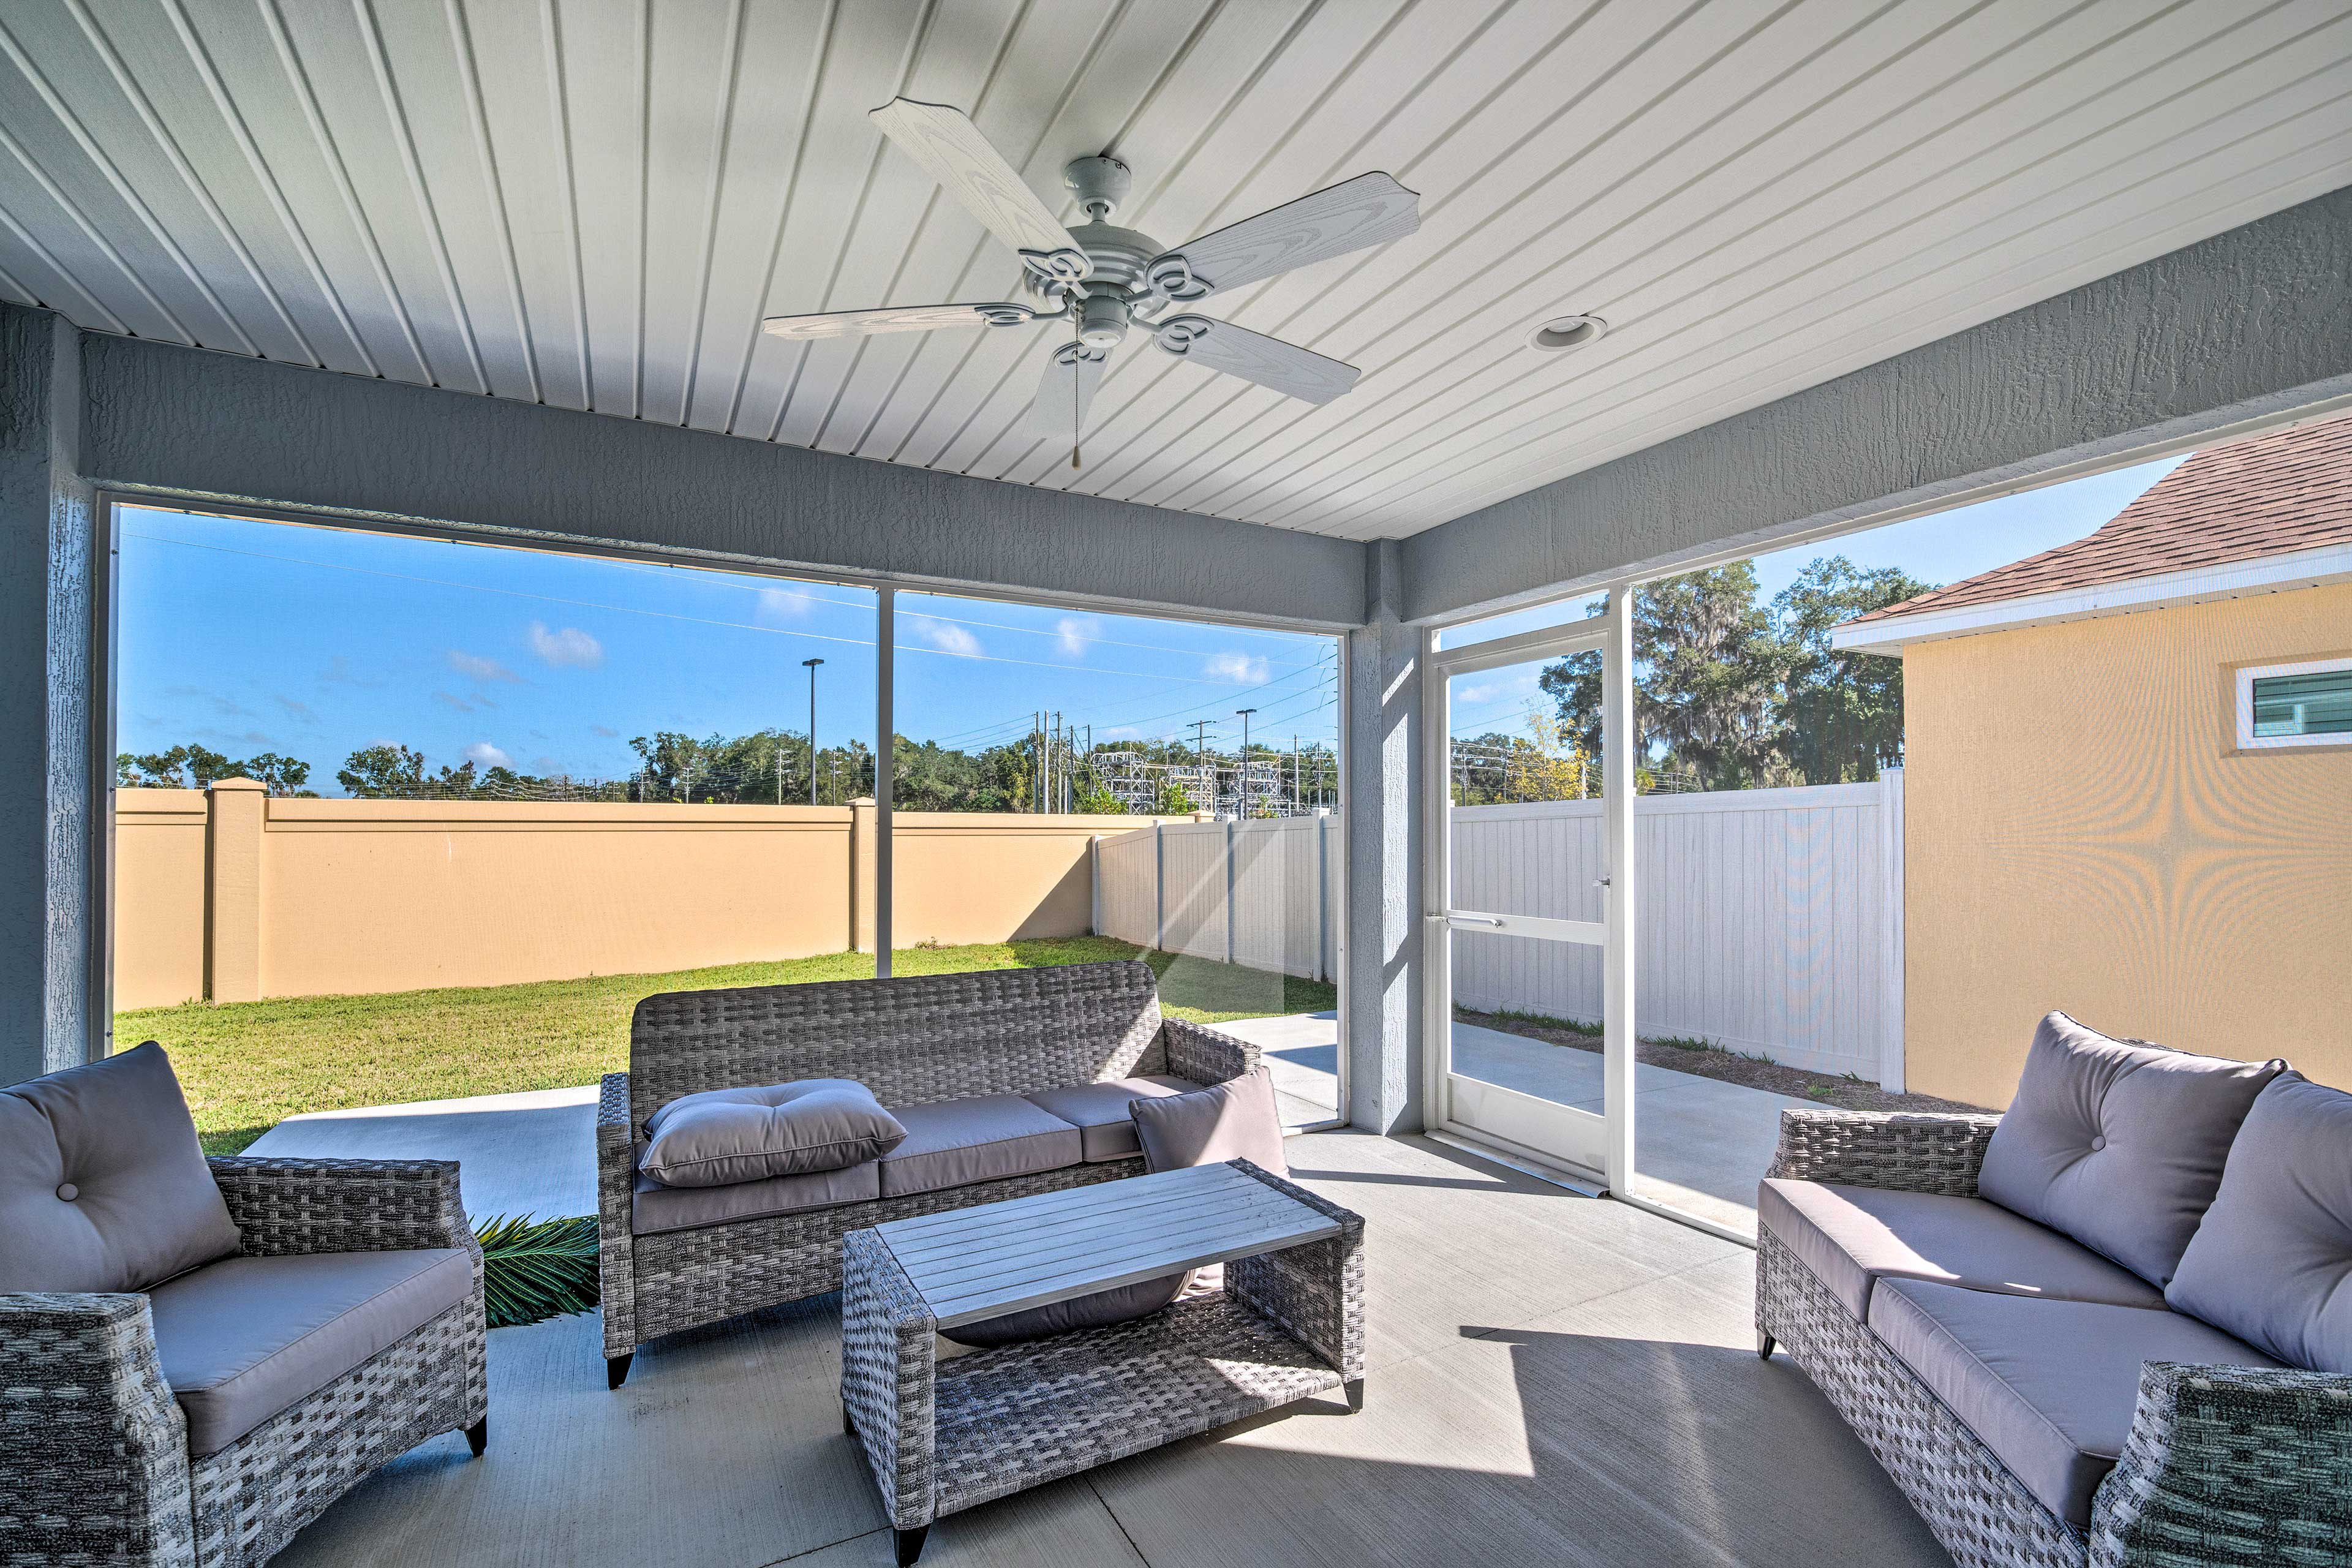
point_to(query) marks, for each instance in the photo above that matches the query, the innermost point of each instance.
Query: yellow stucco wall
(225, 894)
(159, 896)
(2080, 834)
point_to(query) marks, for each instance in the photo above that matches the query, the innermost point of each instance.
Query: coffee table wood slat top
(1032, 1252)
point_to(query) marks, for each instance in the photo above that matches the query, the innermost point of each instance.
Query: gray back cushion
(2116, 1144)
(729, 1135)
(102, 1184)
(1237, 1119)
(2273, 1261)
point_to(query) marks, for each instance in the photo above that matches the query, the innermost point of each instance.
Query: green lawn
(248, 1065)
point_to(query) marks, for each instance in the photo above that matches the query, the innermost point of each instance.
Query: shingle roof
(2267, 496)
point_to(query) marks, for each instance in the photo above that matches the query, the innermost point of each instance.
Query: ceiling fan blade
(1066, 390)
(897, 319)
(1370, 209)
(950, 149)
(1236, 350)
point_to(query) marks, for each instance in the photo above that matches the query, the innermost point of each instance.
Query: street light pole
(812, 664)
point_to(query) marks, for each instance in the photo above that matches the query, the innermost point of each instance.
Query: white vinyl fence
(1770, 920)
(1261, 894)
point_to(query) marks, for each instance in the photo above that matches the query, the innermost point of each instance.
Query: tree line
(1730, 691)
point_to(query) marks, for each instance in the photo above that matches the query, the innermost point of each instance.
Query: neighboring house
(2129, 773)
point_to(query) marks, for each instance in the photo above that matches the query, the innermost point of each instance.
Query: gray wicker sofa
(2039, 1404)
(1011, 1082)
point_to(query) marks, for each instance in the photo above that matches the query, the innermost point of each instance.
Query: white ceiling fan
(1102, 280)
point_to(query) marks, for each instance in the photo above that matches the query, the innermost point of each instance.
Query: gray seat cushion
(102, 1184)
(1098, 1111)
(2272, 1262)
(655, 1208)
(2119, 1145)
(1850, 1236)
(2049, 1386)
(956, 1143)
(1237, 1120)
(724, 1135)
(245, 1338)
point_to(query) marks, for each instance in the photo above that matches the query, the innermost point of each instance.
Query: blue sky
(1939, 549)
(250, 637)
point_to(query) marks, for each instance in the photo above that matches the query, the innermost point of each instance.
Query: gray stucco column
(1383, 846)
(46, 559)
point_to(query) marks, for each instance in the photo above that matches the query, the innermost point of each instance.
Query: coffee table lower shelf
(1021, 1416)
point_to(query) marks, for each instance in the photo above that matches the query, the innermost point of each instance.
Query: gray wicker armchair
(94, 1467)
(912, 1041)
(2225, 1465)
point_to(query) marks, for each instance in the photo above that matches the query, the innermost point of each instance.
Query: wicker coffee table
(943, 1435)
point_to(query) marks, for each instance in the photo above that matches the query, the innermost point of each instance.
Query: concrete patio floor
(530, 1153)
(1552, 1379)
(1700, 1144)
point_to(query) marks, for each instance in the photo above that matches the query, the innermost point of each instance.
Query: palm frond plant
(537, 1269)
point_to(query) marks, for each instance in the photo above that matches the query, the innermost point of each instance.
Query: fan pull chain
(1078, 350)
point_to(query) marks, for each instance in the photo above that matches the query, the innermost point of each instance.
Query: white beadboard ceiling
(593, 203)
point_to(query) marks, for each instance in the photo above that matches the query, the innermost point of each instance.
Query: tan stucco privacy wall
(228, 894)
(2082, 835)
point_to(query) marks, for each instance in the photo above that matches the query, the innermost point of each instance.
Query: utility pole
(1201, 762)
(812, 664)
(1243, 809)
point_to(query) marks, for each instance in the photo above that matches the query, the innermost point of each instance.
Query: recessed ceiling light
(1566, 332)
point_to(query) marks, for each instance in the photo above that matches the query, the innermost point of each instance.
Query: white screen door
(1520, 939)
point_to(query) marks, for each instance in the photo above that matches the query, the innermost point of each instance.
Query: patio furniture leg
(478, 1436)
(616, 1369)
(1355, 1391)
(910, 1543)
(1764, 1343)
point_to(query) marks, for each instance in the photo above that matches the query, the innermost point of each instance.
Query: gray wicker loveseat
(1010, 1081)
(2051, 1395)
(198, 1356)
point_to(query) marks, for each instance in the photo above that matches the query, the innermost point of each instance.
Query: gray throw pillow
(726, 1135)
(1236, 1120)
(1221, 1122)
(2273, 1261)
(2120, 1145)
(103, 1185)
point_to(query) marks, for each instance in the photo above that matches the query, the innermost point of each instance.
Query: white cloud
(481, 753)
(604, 730)
(780, 604)
(1241, 668)
(475, 665)
(1072, 633)
(569, 647)
(947, 638)
(1493, 690)
(451, 699)
(301, 712)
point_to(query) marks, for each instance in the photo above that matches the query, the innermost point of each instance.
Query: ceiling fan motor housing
(1099, 183)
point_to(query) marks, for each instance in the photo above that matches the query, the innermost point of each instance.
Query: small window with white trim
(2305, 704)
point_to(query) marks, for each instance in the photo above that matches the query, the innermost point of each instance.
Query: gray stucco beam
(2231, 333)
(216, 427)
